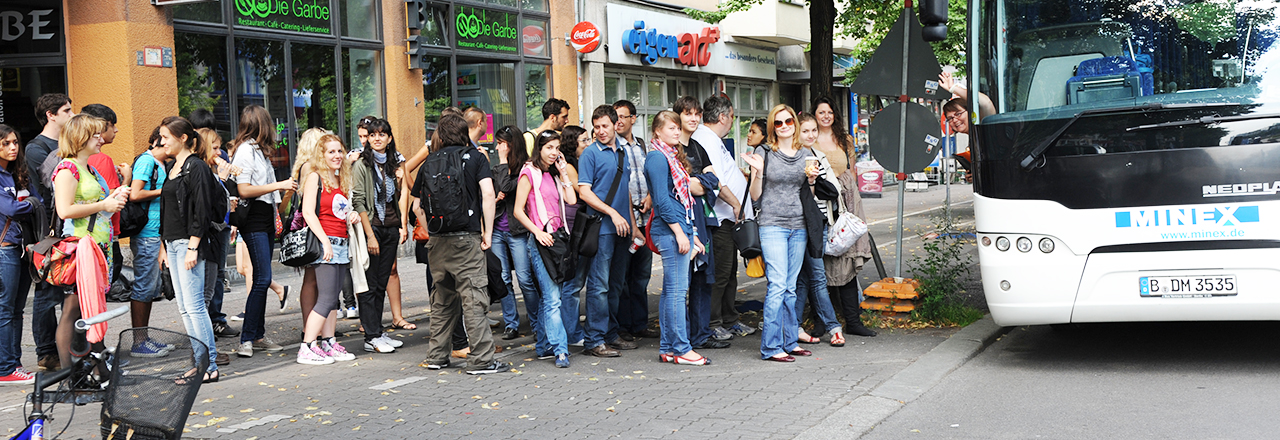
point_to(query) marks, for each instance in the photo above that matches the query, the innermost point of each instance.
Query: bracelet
(193, 249)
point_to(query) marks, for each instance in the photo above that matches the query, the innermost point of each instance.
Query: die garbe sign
(490, 31)
(310, 16)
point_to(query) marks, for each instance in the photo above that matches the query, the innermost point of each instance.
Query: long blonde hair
(213, 139)
(309, 141)
(340, 181)
(77, 133)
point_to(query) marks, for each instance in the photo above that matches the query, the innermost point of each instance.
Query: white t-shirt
(727, 171)
(257, 169)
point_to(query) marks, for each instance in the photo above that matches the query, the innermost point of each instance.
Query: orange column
(405, 110)
(103, 38)
(564, 69)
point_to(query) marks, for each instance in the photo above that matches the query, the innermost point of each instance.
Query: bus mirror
(933, 12)
(934, 33)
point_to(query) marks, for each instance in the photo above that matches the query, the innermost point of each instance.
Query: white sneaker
(245, 350)
(579, 343)
(353, 313)
(335, 350)
(393, 342)
(312, 354)
(377, 345)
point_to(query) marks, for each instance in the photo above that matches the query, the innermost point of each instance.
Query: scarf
(679, 177)
(388, 185)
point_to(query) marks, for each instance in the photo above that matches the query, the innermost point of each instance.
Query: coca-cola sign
(534, 40)
(584, 37)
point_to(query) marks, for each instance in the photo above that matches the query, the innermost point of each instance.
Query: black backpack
(134, 216)
(443, 198)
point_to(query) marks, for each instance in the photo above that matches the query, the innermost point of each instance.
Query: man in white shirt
(717, 121)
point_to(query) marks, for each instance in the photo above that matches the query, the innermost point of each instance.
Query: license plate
(1187, 286)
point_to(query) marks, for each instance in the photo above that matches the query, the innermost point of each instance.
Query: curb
(865, 412)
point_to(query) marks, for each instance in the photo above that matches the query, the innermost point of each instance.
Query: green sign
(492, 31)
(311, 16)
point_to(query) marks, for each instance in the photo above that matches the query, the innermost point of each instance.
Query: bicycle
(134, 390)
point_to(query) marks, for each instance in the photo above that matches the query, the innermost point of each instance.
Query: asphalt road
(1107, 381)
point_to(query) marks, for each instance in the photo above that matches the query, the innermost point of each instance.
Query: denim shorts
(341, 252)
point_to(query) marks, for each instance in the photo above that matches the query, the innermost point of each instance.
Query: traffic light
(415, 13)
(415, 45)
(933, 15)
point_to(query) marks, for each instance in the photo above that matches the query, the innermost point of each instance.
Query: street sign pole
(902, 138)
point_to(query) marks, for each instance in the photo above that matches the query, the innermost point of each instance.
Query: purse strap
(537, 195)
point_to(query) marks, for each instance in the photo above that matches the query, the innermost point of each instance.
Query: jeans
(783, 254)
(379, 271)
(552, 326)
(215, 276)
(569, 301)
(812, 282)
(255, 307)
(188, 286)
(44, 322)
(699, 314)
(521, 260)
(725, 252)
(602, 304)
(673, 307)
(502, 241)
(15, 280)
(633, 288)
(146, 268)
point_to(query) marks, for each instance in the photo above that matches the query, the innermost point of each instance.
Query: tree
(866, 20)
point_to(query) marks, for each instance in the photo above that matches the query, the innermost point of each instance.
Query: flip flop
(837, 339)
(404, 325)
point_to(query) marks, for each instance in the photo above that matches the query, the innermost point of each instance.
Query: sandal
(211, 376)
(681, 360)
(837, 339)
(403, 324)
(804, 338)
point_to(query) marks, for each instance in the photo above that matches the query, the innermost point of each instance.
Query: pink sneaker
(18, 377)
(336, 350)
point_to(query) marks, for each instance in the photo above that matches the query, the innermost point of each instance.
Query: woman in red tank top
(327, 210)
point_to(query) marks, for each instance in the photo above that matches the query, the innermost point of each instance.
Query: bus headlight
(1002, 244)
(1046, 245)
(986, 241)
(1024, 244)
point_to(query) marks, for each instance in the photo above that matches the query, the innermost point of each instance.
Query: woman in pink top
(543, 189)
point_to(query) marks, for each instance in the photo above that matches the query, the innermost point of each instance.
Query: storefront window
(633, 91)
(208, 12)
(361, 75)
(533, 37)
(201, 65)
(315, 87)
(536, 81)
(536, 5)
(359, 19)
(610, 90)
(20, 87)
(491, 87)
(260, 80)
(655, 93)
(510, 3)
(435, 90)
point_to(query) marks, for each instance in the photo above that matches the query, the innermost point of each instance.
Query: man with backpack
(555, 115)
(53, 110)
(454, 197)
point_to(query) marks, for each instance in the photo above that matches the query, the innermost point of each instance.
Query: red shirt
(334, 208)
(107, 168)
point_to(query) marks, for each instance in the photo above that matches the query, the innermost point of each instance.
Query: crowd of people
(569, 214)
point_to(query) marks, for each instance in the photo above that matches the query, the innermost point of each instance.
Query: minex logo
(1188, 216)
(1241, 189)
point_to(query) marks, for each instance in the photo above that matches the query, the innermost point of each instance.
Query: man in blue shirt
(602, 185)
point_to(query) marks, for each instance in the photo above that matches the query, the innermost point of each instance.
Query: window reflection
(363, 87)
(201, 65)
(260, 80)
(536, 85)
(315, 87)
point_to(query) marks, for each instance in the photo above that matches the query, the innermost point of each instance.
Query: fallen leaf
(327, 422)
(356, 428)
(382, 408)
(523, 416)
(637, 372)
(209, 400)
(312, 408)
(247, 410)
(610, 409)
(207, 413)
(608, 370)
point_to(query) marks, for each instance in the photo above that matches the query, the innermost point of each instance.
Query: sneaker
(19, 376)
(245, 349)
(721, 334)
(222, 330)
(312, 354)
(545, 356)
(377, 345)
(495, 367)
(149, 349)
(434, 366)
(267, 345)
(284, 300)
(393, 342)
(239, 317)
(336, 350)
(562, 361)
(222, 359)
(741, 330)
(579, 343)
(353, 313)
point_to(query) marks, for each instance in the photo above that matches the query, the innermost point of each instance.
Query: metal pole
(902, 134)
(946, 173)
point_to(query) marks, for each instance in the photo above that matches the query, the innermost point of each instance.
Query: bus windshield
(1052, 59)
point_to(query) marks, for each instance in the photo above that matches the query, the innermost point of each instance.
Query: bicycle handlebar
(82, 325)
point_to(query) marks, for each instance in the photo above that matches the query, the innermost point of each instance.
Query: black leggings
(329, 280)
(845, 300)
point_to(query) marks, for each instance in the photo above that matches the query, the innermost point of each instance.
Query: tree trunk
(822, 16)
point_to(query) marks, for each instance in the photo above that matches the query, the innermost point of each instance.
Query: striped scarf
(679, 177)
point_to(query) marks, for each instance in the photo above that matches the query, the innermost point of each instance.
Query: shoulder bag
(557, 259)
(586, 226)
(300, 247)
(746, 232)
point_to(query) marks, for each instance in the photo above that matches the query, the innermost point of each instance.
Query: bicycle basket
(155, 377)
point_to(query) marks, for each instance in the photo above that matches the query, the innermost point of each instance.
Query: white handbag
(847, 230)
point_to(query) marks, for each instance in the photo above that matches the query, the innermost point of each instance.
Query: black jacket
(194, 191)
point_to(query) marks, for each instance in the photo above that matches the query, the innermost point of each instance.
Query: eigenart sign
(310, 16)
(485, 30)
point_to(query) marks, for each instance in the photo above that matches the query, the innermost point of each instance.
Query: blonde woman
(812, 282)
(308, 143)
(81, 197)
(328, 211)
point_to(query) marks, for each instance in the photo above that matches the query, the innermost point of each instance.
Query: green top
(88, 190)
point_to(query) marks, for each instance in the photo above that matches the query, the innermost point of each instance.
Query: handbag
(755, 267)
(841, 236)
(300, 247)
(746, 232)
(556, 259)
(587, 225)
(54, 257)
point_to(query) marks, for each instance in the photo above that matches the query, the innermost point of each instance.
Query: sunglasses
(779, 123)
